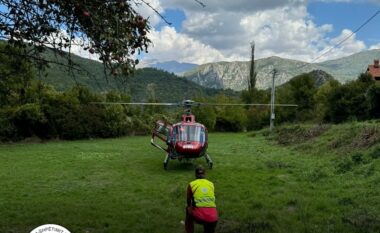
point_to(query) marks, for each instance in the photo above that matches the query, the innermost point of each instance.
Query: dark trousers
(208, 227)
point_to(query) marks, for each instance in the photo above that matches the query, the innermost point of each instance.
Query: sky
(223, 30)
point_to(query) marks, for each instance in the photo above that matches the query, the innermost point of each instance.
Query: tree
(302, 88)
(16, 76)
(252, 71)
(321, 98)
(111, 29)
(374, 100)
(229, 118)
(350, 101)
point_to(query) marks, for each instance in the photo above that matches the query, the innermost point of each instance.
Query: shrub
(357, 158)
(375, 154)
(8, 130)
(30, 120)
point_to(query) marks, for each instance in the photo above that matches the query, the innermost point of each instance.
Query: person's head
(200, 172)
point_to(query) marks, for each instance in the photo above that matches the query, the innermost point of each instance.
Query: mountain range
(234, 75)
(199, 80)
(145, 84)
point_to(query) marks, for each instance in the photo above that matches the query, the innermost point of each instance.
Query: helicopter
(185, 140)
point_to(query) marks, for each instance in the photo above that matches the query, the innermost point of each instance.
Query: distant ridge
(234, 75)
(177, 68)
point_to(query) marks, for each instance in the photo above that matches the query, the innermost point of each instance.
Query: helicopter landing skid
(209, 161)
(166, 161)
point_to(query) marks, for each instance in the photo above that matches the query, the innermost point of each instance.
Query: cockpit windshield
(189, 133)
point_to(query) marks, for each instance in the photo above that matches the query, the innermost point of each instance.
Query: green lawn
(119, 185)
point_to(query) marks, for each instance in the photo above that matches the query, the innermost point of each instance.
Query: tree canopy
(111, 29)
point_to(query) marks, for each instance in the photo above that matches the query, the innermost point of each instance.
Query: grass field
(320, 183)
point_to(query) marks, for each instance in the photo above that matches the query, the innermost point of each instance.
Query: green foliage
(111, 29)
(321, 98)
(229, 118)
(15, 75)
(158, 85)
(374, 101)
(257, 118)
(302, 91)
(375, 154)
(30, 120)
(8, 130)
(206, 115)
(350, 101)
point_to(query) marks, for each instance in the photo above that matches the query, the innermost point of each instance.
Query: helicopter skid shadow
(184, 166)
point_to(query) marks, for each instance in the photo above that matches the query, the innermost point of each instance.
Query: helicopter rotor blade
(125, 103)
(188, 104)
(280, 105)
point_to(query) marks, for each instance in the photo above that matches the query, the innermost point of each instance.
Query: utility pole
(252, 71)
(272, 101)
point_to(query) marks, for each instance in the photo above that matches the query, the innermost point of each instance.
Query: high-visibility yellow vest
(203, 193)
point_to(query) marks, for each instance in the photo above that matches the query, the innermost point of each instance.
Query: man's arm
(189, 196)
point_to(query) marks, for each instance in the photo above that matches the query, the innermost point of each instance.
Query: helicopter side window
(202, 135)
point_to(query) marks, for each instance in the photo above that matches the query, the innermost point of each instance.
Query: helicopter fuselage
(185, 140)
(188, 140)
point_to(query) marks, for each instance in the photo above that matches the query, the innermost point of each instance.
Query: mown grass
(119, 185)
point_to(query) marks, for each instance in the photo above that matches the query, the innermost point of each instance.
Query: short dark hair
(200, 172)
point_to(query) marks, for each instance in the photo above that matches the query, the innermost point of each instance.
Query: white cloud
(286, 32)
(350, 45)
(377, 46)
(223, 30)
(279, 28)
(171, 45)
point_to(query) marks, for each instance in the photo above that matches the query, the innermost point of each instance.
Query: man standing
(201, 206)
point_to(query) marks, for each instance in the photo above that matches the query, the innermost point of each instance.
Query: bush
(350, 101)
(115, 122)
(375, 154)
(374, 99)
(8, 131)
(357, 158)
(30, 120)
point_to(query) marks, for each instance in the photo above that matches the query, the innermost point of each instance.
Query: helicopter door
(161, 131)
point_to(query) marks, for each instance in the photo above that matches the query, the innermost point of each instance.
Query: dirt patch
(367, 137)
(297, 134)
(362, 221)
(363, 138)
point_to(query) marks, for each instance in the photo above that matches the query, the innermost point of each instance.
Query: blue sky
(224, 29)
(348, 15)
(295, 29)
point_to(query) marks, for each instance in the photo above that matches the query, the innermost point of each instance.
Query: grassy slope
(118, 185)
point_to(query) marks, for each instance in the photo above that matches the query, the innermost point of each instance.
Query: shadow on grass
(181, 166)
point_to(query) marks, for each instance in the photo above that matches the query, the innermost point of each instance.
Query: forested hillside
(146, 83)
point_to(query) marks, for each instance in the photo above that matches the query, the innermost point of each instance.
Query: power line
(342, 41)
